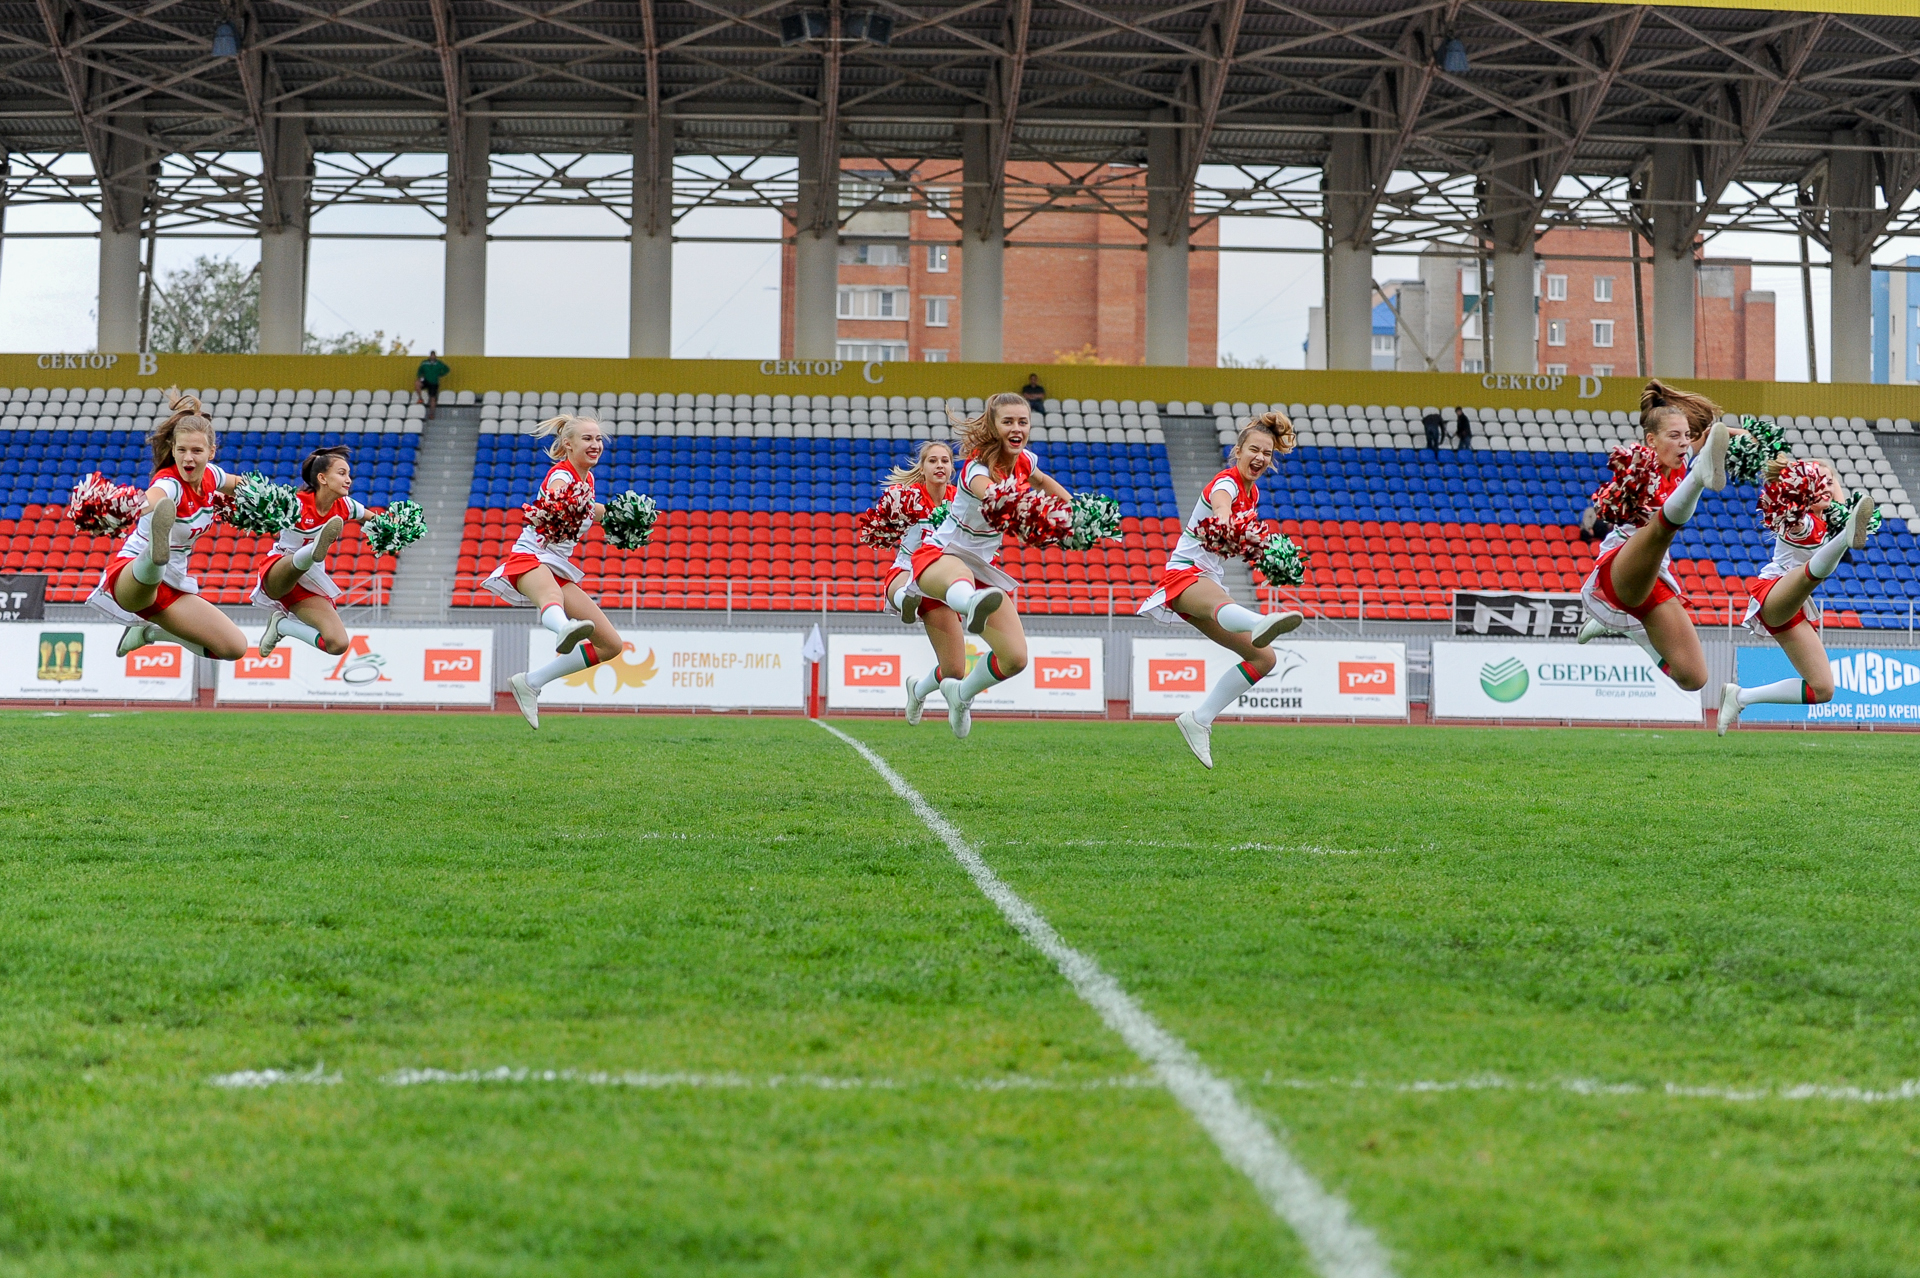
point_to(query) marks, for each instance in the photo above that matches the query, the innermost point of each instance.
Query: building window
(1470, 328)
(1603, 288)
(1386, 349)
(937, 258)
(873, 303)
(1603, 370)
(937, 312)
(1603, 332)
(1556, 370)
(1473, 366)
(862, 352)
(938, 197)
(873, 255)
(933, 357)
(878, 188)
(1556, 332)
(1556, 288)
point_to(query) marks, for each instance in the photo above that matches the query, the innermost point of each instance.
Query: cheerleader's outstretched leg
(601, 642)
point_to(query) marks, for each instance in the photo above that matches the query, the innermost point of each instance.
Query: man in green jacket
(426, 380)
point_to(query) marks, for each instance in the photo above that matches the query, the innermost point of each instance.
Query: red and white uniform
(965, 533)
(1792, 548)
(314, 582)
(1191, 560)
(910, 541)
(1603, 605)
(530, 550)
(194, 513)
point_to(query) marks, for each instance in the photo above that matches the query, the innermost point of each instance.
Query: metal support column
(1168, 226)
(123, 196)
(1672, 198)
(1349, 252)
(650, 289)
(1509, 197)
(983, 242)
(1850, 212)
(816, 251)
(283, 245)
(466, 281)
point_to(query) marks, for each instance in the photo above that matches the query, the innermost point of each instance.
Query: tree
(352, 343)
(1230, 360)
(1087, 354)
(212, 307)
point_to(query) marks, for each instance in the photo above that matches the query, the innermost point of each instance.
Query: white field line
(1339, 1245)
(1908, 1090)
(818, 1082)
(315, 1077)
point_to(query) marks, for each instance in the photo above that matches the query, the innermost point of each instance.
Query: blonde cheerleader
(293, 585)
(1806, 551)
(147, 586)
(1192, 589)
(930, 479)
(539, 569)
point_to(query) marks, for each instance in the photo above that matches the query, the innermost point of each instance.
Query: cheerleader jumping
(1804, 555)
(540, 571)
(930, 475)
(147, 585)
(293, 585)
(1632, 589)
(955, 563)
(1192, 589)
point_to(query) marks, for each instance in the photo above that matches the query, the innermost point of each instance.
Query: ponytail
(319, 460)
(186, 415)
(980, 435)
(562, 429)
(1276, 424)
(917, 472)
(1660, 399)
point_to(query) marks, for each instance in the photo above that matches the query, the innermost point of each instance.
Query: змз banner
(380, 667)
(1314, 679)
(1870, 685)
(1599, 681)
(695, 669)
(1063, 676)
(76, 661)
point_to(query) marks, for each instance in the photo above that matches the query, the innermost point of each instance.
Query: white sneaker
(328, 534)
(916, 704)
(1596, 630)
(270, 637)
(959, 713)
(1713, 455)
(527, 697)
(1199, 737)
(1858, 519)
(1729, 707)
(134, 638)
(569, 639)
(1276, 624)
(984, 604)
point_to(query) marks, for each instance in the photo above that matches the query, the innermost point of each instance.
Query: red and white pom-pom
(1800, 489)
(103, 508)
(561, 516)
(1627, 498)
(1027, 514)
(899, 508)
(1243, 536)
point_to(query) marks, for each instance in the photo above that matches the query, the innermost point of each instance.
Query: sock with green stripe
(1787, 692)
(983, 676)
(1233, 685)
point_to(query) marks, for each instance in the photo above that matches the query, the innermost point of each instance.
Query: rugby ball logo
(1505, 681)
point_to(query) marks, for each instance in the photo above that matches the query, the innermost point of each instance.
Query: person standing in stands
(1034, 393)
(427, 378)
(1436, 428)
(1462, 430)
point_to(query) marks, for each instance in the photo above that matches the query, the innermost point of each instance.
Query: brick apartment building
(1585, 320)
(899, 273)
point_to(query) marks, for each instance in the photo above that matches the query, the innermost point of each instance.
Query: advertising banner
(1599, 681)
(72, 661)
(718, 669)
(380, 667)
(1517, 615)
(23, 596)
(1063, 676)
(1314, 679)
(1870, 685)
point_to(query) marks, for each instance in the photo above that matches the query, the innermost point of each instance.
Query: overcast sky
(547, 298)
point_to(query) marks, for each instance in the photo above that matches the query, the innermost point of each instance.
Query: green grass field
(702, 996)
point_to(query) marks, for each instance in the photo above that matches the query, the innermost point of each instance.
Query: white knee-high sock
(1229, 688)
(1826, 558)
(294, 628)
(899, 596)
(561, 666)
(1679, 505)
(985, 673)
(555, 618)
(304, 557)
(146, 571)
(959, 595)
(1232, 616)
(924, 686)
(1787, 692)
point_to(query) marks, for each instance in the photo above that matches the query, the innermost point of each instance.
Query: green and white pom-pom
(1836, 515)
(1096, 518)
(938, 515)
(1748, 454)
(628, 521)
(395, 528)
(262, 506)
(1280, 562)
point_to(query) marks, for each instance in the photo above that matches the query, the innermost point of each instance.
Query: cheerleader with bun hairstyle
(539, 569)
(1656, 487)
(292, 584)
(147, 585)
(1192, 588)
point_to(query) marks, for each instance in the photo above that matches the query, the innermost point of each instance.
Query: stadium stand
(51, 437)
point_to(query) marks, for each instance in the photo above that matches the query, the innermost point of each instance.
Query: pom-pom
(938, 515)
(263, 507)
(561, 516)
(1627, 498)
(629, 520)
(1839, 512)
(1096, 518)
(395, 528)
(1798, 490)
(1238, 538)
(1279, 561)
(1026, 514)
(1748, 454)
(899, 508)
(103, 508)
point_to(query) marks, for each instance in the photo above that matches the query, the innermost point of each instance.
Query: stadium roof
(1260, 85)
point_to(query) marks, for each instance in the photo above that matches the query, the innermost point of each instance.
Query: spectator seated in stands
(1035, 393)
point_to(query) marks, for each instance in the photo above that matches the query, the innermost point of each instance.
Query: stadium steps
(1193, 455)
(1903, 457)
(443, 474)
